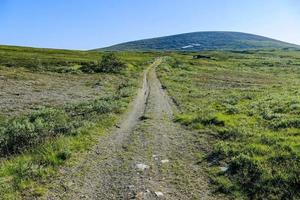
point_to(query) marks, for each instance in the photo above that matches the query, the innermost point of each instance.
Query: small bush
(88, 67)
(230, 109)
(230, 133)
(209, 120)
(110, 63)
(205, 120)
(25, 131)
(281, 123)
(231, 100)
(247, 172)
(175, 63)
(22, 170)
(224, 184)
(63, 155)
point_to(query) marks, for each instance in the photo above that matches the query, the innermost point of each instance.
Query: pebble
(155, 157)
(164, 161)
(223, 169)
(142, 166)
(143, 195)
(131, 187)
(84, 197)
(159, 194)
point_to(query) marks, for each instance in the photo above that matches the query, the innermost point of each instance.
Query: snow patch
(191, 46)
(188, 46)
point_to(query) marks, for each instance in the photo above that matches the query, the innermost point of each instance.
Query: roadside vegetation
(40, 136)
(248, 104)
(55, 104)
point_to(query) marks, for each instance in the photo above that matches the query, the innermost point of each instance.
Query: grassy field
(248, 102)
(52, 112)
(60, 60)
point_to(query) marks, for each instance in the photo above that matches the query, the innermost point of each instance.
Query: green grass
(249, 102)
(27, 175)
(61, 61)
(36, 143)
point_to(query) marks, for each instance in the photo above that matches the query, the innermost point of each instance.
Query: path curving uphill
(147, 157)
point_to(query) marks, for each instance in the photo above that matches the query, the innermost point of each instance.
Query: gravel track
(147, 157)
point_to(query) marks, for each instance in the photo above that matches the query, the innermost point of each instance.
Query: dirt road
(147, 157)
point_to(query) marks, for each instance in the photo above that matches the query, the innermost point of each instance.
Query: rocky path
(147, 157)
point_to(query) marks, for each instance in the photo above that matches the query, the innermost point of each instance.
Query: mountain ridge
(199, 41)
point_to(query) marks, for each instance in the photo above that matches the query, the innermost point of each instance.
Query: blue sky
(88, 24)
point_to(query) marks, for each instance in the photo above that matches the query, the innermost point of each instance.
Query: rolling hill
(198, 41)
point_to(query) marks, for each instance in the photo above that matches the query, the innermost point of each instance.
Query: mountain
(198, 41)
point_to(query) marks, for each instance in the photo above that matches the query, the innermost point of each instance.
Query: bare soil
(147, 156)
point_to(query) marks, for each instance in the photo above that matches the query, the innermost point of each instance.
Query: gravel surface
(147, 157)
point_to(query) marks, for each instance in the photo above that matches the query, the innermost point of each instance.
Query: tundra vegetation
(248, 102)
(56, 104)
(52, 112)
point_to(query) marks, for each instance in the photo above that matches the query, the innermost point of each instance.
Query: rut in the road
(148, 157)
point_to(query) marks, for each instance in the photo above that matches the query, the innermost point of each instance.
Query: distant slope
(197, 41)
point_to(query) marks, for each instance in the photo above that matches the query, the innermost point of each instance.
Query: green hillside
(199, 41)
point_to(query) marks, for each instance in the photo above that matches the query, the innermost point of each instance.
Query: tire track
(147, 157)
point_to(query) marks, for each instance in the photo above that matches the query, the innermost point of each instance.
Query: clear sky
(88, 24)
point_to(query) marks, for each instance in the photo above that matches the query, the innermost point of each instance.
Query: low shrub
(88, 67)
(110, 63)
(230, 109)
(175, 63)
(224, 184)
(230, 133)
(285, 122)
(205, 120)
(21, 132)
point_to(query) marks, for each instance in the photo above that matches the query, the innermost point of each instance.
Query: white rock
(155, 157)
(142, 166)
(164, 161)
(131, 187)
(159, 194)
(223, 169)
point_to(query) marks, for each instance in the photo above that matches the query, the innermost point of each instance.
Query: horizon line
(155, 37)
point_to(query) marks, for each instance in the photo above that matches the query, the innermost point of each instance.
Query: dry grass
(22, 91)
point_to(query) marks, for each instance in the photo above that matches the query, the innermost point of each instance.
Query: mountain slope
(198, 41)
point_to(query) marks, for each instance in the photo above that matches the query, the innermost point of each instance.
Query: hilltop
(199, 41)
